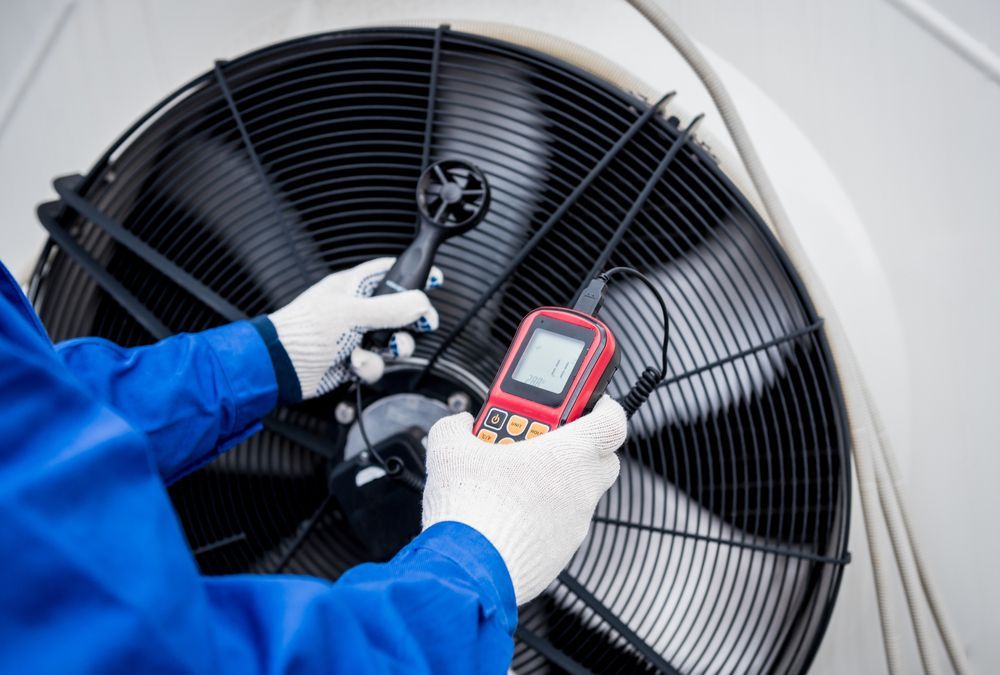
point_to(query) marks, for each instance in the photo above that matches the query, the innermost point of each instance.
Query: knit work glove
(532, 499)
(321, 330)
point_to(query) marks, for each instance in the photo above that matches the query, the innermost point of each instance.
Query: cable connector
(591, 298)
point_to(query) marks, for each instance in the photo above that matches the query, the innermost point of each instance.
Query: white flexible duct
(930, 591)
(867, 434)
(906, 571)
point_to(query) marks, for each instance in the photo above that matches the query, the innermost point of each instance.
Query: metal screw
(344, 413)
(458, 402)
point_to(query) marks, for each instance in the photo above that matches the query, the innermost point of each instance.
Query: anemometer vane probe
(453, 196)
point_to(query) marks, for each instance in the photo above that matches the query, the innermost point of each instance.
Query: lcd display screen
(548, 360)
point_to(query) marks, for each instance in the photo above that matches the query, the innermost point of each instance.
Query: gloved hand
(321, 330)
(532, 499)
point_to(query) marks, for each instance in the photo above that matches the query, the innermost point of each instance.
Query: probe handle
(408, 272)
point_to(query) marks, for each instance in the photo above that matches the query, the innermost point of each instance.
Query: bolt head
(459, 402)
(344, 413)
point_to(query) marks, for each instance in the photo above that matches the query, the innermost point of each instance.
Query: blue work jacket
(95, 573)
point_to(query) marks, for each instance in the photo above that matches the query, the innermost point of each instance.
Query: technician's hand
(533, 499)
(321, 330)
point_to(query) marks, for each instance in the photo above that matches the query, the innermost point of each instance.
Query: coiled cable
(640, 391)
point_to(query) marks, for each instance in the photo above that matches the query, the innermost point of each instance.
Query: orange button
(516, 425)
(487, 435)
(536, 429)
(505, 441)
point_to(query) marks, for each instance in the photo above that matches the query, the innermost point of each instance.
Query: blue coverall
(95, 575)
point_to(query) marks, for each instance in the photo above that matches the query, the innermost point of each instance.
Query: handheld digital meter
(557, 367)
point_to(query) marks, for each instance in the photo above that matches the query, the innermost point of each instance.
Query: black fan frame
(68, 216)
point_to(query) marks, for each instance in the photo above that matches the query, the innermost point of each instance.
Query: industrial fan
(721, 547)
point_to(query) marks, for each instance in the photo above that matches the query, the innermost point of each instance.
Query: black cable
(590, 301)
(361, 427)
(629, 271)
(398, 471)
(394, 467)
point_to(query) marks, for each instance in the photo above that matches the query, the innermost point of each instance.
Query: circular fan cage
(721, 546)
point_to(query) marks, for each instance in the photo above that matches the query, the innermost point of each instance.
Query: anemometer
(561, 359)
(452, 198)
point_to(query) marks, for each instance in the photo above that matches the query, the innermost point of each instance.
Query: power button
(495, 418)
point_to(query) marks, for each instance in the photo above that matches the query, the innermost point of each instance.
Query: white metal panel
(903, 125)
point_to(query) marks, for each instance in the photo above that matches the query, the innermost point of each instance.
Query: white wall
(911, 131)
(908, 128)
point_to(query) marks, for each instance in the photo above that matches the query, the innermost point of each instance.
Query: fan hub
(451, 193)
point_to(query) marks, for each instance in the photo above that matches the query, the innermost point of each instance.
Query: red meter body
(556, 369)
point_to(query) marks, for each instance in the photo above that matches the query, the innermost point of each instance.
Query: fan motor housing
(722, 545)
(382, 509)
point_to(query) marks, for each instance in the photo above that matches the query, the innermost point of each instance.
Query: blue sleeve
(100, 578)
(444, 604)
(193, 395)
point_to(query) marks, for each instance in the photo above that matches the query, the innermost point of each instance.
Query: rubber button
(537, 429)
(507, 440)
(487, 435)
(495, 419)
(516, 425)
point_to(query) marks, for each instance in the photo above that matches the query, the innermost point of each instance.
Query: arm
(444, 604)
(192, 395)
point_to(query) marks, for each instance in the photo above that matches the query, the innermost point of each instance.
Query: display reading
(547, 361)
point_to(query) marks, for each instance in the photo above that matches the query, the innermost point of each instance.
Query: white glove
(322, 328)
(533, 500)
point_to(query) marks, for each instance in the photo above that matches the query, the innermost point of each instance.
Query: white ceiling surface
(907, 128)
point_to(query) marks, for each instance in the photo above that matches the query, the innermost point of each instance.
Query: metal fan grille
(722, 545)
